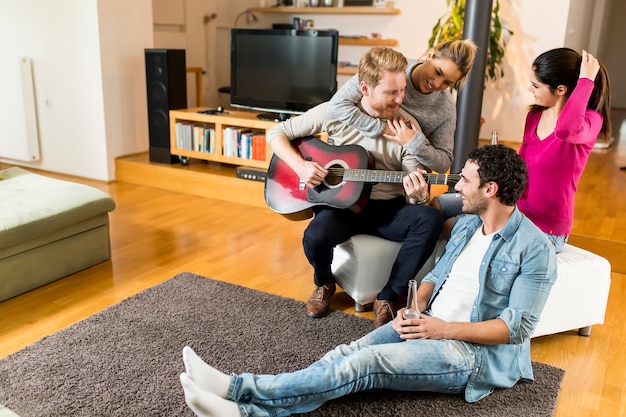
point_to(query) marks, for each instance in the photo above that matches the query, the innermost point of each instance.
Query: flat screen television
(282, 71)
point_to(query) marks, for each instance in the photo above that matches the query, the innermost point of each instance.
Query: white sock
(203, 375)
(206, 404)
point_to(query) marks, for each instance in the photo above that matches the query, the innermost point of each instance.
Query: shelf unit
(346, 10)
(347, 70)
(388, 10)
(230, 118)
(344, 40)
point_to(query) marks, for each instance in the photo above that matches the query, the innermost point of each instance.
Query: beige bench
(49, 229)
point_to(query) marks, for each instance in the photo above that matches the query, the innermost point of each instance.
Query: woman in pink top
(571, 109)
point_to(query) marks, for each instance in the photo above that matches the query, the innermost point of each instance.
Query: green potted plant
(450, 26)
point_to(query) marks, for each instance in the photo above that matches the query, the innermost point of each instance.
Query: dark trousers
(417, 226)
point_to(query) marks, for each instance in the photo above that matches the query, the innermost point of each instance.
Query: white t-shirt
(457, 295)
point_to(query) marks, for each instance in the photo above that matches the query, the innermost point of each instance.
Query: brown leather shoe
(317, 306)
(385, 311)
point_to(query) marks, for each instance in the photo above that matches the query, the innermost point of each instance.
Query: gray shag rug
(126, 360)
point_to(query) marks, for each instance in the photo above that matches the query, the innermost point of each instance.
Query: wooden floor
(158, 233)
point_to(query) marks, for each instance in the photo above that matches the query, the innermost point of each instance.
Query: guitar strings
(374, 174)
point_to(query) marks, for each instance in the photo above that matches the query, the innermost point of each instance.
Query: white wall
(125, 30)
(180, 24)
(88, 71)
(67, 77)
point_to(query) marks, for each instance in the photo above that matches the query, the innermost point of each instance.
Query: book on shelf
(184, 136)
(244, 143)
(197, 137)
(180, 135)
(258, 146)
(229, 137)
(208, 144)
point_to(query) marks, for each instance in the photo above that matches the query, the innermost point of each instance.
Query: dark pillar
(470, 99)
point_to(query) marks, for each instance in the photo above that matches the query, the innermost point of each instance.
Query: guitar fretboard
(374, 175)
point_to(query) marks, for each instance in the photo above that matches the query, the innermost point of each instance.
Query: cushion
(32, 205)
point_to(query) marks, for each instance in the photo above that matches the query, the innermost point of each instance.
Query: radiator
(18, 112)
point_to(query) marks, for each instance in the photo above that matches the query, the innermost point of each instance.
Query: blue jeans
(417, 226)
(451, 203)
(379, 360)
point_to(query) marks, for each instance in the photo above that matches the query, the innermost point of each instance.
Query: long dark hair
(561, 66)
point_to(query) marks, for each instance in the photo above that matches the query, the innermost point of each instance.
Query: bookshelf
(364, 41)
(213, 137)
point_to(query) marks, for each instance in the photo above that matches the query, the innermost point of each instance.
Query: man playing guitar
(395, 211)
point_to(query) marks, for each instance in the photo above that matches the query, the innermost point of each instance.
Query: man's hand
(426, 327)
(488, 332)
(311, 173)
(400, 131)
(416, 187)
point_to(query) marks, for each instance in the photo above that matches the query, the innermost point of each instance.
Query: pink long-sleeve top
(556, 163)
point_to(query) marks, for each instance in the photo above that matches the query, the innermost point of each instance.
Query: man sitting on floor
(480, 304)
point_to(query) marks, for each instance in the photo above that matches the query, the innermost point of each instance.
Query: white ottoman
(578, 299)
(362, 264)
(580, 294)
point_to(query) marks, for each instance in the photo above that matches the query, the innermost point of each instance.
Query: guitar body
(286, 194)
(347, 185)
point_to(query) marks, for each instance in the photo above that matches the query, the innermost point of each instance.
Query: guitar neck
(374, 175)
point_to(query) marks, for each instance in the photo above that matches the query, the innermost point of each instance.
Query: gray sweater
(435, 113)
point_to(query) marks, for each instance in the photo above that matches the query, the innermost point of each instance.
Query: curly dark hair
(502, 165)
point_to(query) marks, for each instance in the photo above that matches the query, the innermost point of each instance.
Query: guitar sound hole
(334, 176)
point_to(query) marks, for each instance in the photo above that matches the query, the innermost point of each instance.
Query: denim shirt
(515, 278)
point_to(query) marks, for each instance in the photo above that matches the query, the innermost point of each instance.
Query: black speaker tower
(166, 85)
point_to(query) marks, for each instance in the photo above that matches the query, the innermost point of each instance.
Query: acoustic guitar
(347, 185)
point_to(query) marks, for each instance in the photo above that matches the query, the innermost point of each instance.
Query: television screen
(282, 71)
